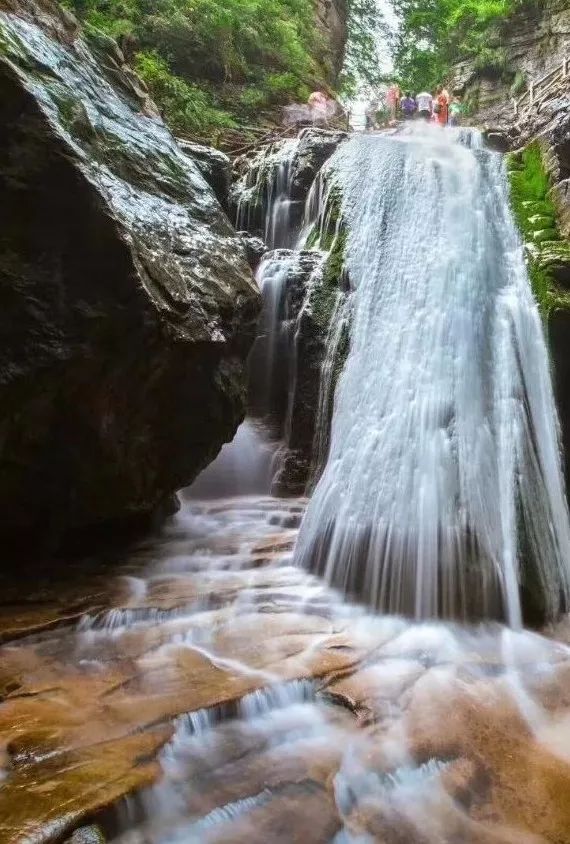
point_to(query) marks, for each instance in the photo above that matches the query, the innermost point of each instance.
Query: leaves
(435, 34)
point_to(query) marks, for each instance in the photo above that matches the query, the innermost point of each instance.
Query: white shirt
(424, 101)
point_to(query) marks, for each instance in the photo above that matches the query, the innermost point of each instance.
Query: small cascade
(294, 361)
(264, 196)
(270, 357)
(443, 493)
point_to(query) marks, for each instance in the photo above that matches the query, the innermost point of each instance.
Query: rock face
(215, 167)
(534, 40)
(540, 179)
(126, 302)
(332, 20)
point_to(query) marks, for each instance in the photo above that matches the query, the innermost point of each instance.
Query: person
(424, 103)
(455, 111)
(393, 100)
(442, 100)
(319, 106)
(408, 106)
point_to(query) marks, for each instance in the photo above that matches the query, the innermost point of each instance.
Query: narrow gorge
(281, 443)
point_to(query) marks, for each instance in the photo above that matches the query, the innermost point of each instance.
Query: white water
(269, 185)
(444, 478)
(453, 326)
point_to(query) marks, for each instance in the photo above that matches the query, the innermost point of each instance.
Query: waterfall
(265, 202)
(443, 493)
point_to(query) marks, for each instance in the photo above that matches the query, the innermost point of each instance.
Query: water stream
(443, 491)
(292, 713)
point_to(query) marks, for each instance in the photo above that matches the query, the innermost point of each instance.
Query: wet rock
(285, 165)
(82, 782)
(255, 249)
(315, 148)
(500, 139)
(126, 301)
(87, 835)
(215, 167)
(559, 342)
(295, 392)
(317, 286)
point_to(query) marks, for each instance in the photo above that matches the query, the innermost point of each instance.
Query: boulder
(255, 249)
(127, 307)
(315, 147)
(215, 167)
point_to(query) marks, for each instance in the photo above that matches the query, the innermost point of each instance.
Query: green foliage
(435, 34)
(536, 217)
(365, 27)
(183, 105)
(210, 61)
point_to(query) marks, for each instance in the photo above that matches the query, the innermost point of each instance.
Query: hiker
(408, 106)
(455, 111)
(442, 103)
(424, 103)
(393, 100)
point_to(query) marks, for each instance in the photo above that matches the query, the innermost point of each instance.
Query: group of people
(440, 108)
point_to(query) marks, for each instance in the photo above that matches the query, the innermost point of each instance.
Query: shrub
(186, 107)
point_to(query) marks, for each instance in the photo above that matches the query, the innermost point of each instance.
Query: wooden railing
(539, 89)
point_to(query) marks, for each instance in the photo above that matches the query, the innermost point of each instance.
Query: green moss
(324, 294)
(536, 217)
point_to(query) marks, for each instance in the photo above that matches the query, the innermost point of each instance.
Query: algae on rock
(548, 253)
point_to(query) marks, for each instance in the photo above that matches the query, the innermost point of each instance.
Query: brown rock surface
(306, 717)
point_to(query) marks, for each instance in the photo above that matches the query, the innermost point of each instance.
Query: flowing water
(280, 711)
(443, 490)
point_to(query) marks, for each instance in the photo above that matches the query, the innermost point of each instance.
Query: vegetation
(365, 27)
(212, 64)
(536, 216)
(435, 34)
(208, 61)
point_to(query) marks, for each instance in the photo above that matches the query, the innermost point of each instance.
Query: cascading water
(276, 710)
(443, 493)
(265, 198)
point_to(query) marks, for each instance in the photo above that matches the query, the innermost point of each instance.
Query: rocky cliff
(531, 42)
(332, 22)
(126, 303)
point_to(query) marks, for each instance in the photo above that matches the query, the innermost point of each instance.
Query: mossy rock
(544, 235)
(536, 207)
(542, 222)
(547, 253)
